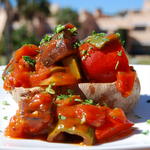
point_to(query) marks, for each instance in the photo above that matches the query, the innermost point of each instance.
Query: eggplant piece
(8, 69)
(60, 46)
(74, 127)
(20, 93)
(107, 93)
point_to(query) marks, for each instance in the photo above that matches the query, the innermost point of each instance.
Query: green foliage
(30, 8)
(123, 33)
(21, 36)
(2, 46)
(67, 15)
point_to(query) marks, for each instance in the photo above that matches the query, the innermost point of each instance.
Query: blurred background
(27, 21)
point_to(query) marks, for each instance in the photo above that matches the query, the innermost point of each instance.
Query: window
(140, 28)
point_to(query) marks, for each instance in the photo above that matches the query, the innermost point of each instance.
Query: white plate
(135, 141)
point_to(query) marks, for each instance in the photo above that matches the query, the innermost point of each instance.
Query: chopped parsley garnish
(61, 117)
(88, 102)
(84, 52)
(148, 121)
(117, 64)
(77, 100)
(76, 44)
(5, 117)
(73, 30)
(49, 89)
(62, 97)
(99, 34)
(60, 36)
(29, 60)
(146, 132)
(47, 38)
(119, 53)
(59, 28)
(5, 103)
(97, 39)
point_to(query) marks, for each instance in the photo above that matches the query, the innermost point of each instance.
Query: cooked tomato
(67, 111)
(21, 79)
(117, 116)
(26, 50)
(61, 79)
(37, 78)
(125, 82)
(102, 64)
(109, 130)
(92, 115)
(116, 122)
(69, 26)
(85, 113)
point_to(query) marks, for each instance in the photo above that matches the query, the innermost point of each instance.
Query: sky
(108, 6)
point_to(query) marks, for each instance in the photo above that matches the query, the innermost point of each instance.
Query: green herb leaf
(60, 36)
(73, 30)
(84, 52)
(5, 117)
(97, 39)
(49, 89)
(61, 117)
(98, 34)
(76, 44)
(148, 121)
(88, 102)
(5, 103)
(119, 53)
(59, 28)
(146, 132)
(29, 60)
(47, 38)
(62, 97)
(77, 100)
